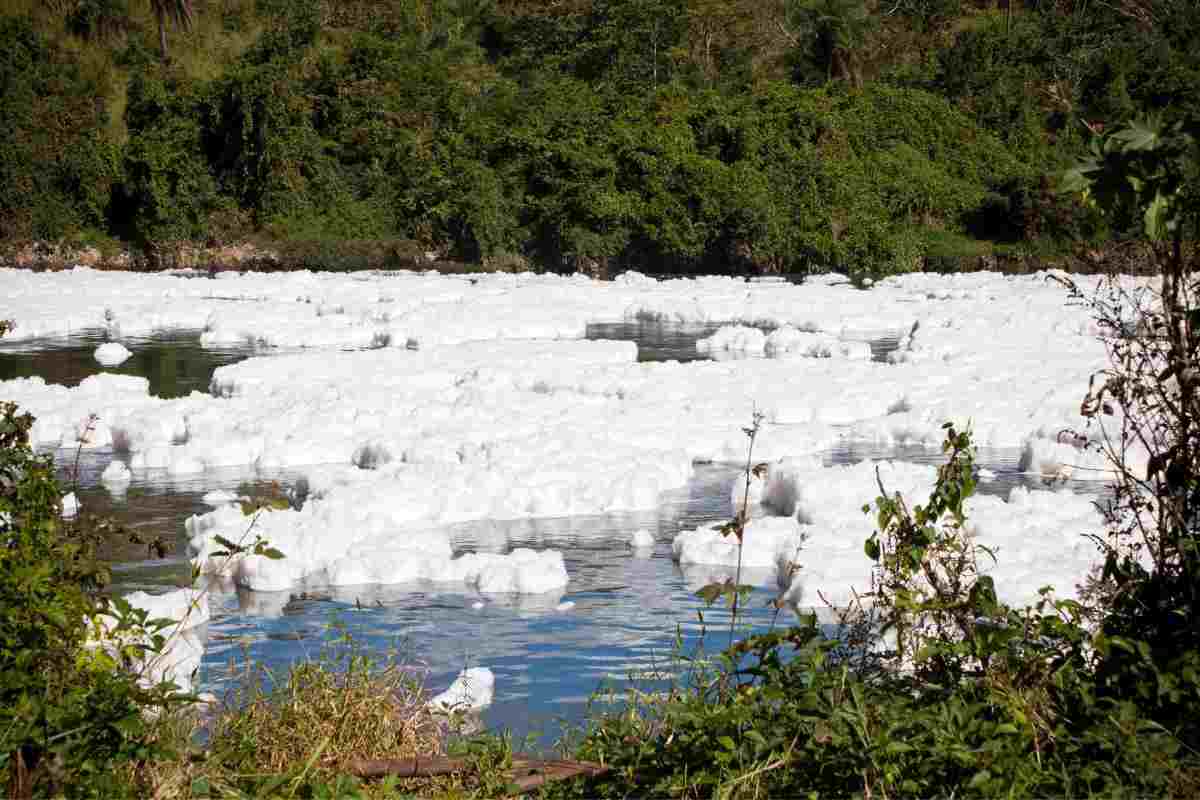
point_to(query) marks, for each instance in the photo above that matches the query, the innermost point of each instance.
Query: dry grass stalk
(325, 715)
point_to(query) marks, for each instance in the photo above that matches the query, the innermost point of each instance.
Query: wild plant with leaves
(68, 711)
(926, 586)
(734, 591)
(1144, 416)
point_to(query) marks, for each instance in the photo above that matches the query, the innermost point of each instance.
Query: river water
(623, 615)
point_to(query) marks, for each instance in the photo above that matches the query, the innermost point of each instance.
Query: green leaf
(129, 726)
(979, 779)
(1138, 135)
(726, 742)
(871, 547)
(228, 545)
(1156, 221)
(710, 593)
(1075, 180)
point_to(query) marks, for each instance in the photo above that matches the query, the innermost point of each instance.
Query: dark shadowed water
(175, 363)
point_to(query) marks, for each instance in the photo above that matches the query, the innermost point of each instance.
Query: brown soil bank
(339, 256)
(350, 255)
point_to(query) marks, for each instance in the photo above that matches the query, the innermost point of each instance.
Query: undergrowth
(296, 734)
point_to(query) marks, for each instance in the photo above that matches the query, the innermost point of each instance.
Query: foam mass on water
(502, 412)
(412, 401)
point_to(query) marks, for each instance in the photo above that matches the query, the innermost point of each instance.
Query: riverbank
(1129, 258)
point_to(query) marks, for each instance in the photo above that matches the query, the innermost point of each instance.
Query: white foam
(473, 689)
(184, 612)
(1038, 536)
(70, 505)
(766, 541)
(735, 339)
(378, 544)
(501, 412)
(641, 539)
(112, 354)
(1066, 457)
(219, 497)
(747, 494)
(790, 342)
(184, 608)
(116, 473)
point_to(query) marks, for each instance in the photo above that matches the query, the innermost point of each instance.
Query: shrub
(69, 713)
(169, 192)
(1145, 418)
(56, 167)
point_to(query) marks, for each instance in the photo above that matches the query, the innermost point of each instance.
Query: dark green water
(174, 362)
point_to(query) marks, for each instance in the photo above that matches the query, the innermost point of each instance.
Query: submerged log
(535, 773)
(526, 772)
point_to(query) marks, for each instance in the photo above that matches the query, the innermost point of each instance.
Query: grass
(291, 735)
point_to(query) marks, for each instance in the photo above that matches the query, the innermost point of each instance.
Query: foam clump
(112, 354)
(378, 545)
(748, 494)
(472, 690)
(1068, 457)
(219, 497)
(791, 342)
(116, 473)
(70, 505)
(767, 542)
(734, 339)
(1037, 536)
(523, 571)
(183, 640)
(641, 539)
(184, 608)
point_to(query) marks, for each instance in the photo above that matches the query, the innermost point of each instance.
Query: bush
(57, 168)
(169, 192)
(69, 713)
(1144, 417)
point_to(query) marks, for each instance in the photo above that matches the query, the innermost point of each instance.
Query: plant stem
(743, 516)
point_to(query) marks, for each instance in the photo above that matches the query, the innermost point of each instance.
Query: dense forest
(863, 136)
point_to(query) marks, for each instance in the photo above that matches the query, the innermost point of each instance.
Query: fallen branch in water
(526, 772)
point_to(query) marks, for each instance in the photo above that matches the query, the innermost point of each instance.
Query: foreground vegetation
(663, 135)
